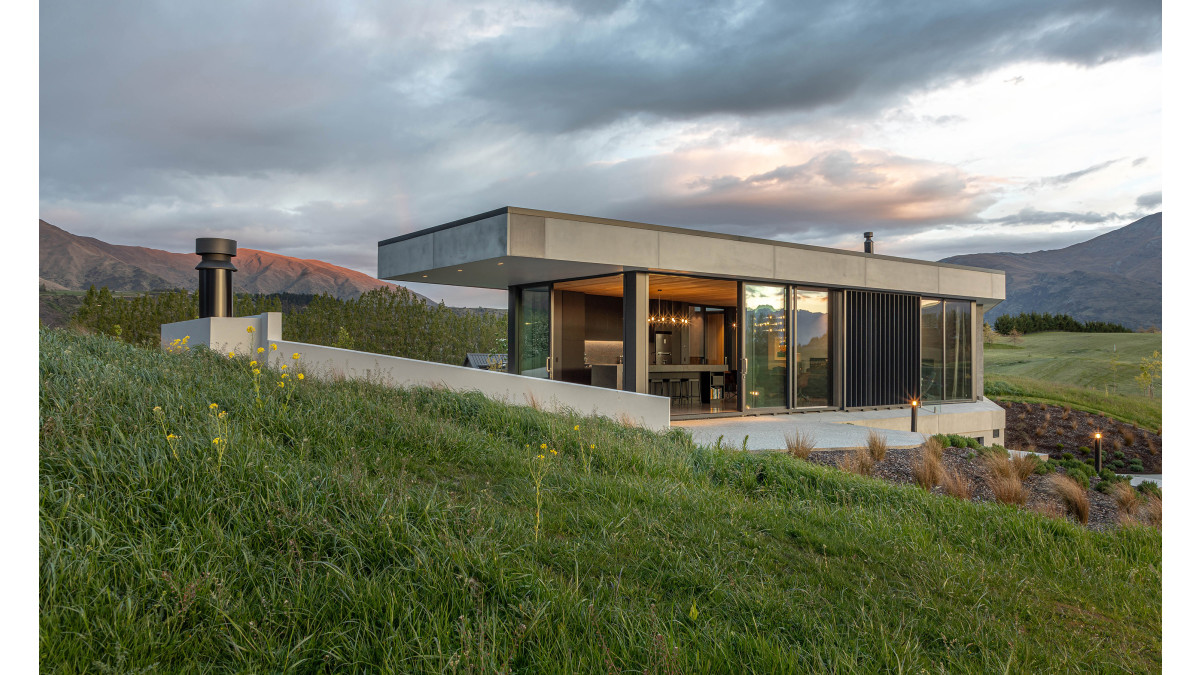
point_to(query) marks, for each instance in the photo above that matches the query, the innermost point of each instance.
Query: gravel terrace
(896, 467)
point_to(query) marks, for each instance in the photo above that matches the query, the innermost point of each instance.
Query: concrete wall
(977, 420)
(229, 334)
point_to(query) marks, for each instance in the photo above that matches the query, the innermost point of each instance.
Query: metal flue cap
(868, 235)
(216, 245)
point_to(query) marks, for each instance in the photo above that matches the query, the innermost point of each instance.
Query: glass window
(766, 346)
(932, 359)
(533, 331)
(958, 350)
(810, 333)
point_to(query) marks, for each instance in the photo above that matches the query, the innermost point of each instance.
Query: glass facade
(533, 332)
(932, 359)
(810, 335)
(959, 342)
(766, 346)
(947, 350)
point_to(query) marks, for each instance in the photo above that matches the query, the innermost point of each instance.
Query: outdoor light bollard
(1097, 444)
(915, 406)
(216, 275)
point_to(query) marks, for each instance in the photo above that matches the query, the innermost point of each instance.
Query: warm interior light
(499, 263)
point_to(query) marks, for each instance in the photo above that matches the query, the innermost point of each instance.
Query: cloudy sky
(317, 129)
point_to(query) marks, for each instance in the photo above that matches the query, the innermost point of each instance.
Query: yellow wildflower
(257, 371)
(171, 436)
(221, 415)
(283, 367)
(576, 427)
(593, 446)
(274, 346)
(295, 355)
(254, 363)
(158, 408)
(553, 452)
(212, 405)
(216, 440)
(249, 329)
(281, 384)
(261, 350)
(230, 355)
(541, 457)
(283, 376)
(543, 446)
(300, 376)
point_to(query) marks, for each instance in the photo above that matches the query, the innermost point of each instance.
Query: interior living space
(721, 325)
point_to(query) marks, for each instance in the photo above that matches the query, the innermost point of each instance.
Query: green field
(1077, 369)
(362, 528)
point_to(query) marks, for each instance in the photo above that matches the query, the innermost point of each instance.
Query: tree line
(1033, 322)
(384, 321)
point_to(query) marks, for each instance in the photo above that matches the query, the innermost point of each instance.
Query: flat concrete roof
(512, 246)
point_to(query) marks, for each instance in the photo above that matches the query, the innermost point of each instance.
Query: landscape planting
(369, 528)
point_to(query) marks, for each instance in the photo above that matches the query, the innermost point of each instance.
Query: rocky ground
(897, 466)
(1060, 430)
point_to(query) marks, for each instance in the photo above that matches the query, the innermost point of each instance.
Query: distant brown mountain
(1114, 277)
(72, 262)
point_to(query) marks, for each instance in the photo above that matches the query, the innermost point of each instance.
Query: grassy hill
(343, 526)
(1077, 369)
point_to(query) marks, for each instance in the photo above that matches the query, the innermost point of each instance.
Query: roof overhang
(514, 246)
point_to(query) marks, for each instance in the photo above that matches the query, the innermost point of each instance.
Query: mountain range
(71, 262)
(1116, 277)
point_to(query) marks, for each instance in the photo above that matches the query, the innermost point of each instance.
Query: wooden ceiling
(692, 290)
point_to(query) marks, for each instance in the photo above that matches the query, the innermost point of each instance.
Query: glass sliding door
(810, 333)
(533, 332)
(932, 358)
(765, 325)
(958, 350)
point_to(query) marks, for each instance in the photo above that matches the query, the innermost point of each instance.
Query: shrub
(1135, 465)
(877, 445)
(1073, 497)
(857, 461)
(927, 469)
(1150, 489)
(1106, 474)
(1058, 446)
(956, 485)
(1044, 468)
(1119, 455)
(1079, 476)
(800, 445)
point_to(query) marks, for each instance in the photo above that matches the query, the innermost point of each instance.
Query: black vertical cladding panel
(882, 345)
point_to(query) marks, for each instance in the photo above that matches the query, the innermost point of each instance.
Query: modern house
(720, 324)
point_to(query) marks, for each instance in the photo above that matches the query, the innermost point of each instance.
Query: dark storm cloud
(1149, 200)
(685, 59)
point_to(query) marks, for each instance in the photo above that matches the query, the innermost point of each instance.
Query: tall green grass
(367, 528)
(1143, 411)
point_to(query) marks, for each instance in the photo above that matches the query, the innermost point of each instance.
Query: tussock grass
(1002, 478)
(1154, 511)
(927, 469)
(1127, 498)
(800, 445)
(1073, 496)
(1023, 466)
(857, 461)
(877, 445)
(957, 485)
(371, 529)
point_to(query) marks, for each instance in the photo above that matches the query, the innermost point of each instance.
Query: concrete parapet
(230, 335)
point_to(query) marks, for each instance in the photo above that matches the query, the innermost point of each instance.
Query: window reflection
(811, 337)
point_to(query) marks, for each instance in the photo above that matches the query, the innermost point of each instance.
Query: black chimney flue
(868, 245)
(216, 275)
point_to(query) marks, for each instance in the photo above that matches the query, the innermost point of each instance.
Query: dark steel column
(636, 331)
(216, 275)
(514, 316)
